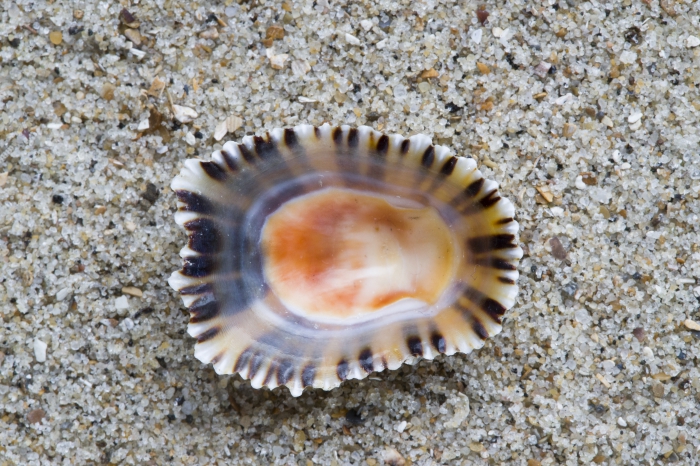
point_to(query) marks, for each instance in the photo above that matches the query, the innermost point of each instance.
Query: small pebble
(621, 422)
(658, 390)
(401, 426)
(40, 350)
(276, 61)
(366, 24)
(274, 32)
(56, 37)
(62, 294)
(627, 57)
(352, 40)
(212, 34)
(482, 15)
(121, 303)
(35, 416)
(648, 354)
(569, 130)
(107, 91)
(639, 334)
(542, 69)
(692, 41)
(3, 178)
(483, 68)
(133, 35)
(635, 117)
(558, 250)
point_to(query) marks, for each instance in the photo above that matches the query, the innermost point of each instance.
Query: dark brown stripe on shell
(337, 135)
(208, 335)
(290, 138)
(383, 144)
(428, 157)
(469, 193)
(204, 312)
(198, 266)
(495, 263)
(285, 371)
(217, 358)
(308, 374)
(213, 171)
(414, 345)
(342, 370)
(255, 363)
(438, 342)
(197, 289)
(405, 145)
(230, 160)
(317, 132)
(265, 147)
(490, 199)
(204, 236)
(504, 221)
(271, 370)
(366, 360)
(485, 244)
(385, 364)
(449, 166)
(490, 306)
(242, 360)
(353, 137)
(506, 280)
(246, 153)
(194, 202)
(479, 329)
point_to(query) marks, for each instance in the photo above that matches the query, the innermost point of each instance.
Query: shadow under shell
(254, 309)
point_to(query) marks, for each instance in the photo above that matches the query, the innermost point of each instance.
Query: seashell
(320, 254)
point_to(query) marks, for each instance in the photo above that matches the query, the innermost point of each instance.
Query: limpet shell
(320, 254)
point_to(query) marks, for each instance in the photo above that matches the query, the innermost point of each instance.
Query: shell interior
(320, 254)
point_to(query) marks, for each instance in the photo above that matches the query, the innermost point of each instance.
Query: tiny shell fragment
(133, 291)
(184, 114)
(229, 125)
(276, 61)
(545, 193)
(483, 68)
(212, 34)
(692, 325)
(157, 86)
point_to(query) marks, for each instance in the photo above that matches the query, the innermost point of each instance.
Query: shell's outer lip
(239, 323)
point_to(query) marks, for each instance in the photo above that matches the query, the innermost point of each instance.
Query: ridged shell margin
(213, 198)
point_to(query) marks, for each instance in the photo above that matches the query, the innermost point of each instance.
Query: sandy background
(585, 112)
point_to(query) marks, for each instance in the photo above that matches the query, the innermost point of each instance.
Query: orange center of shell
(339, 254)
